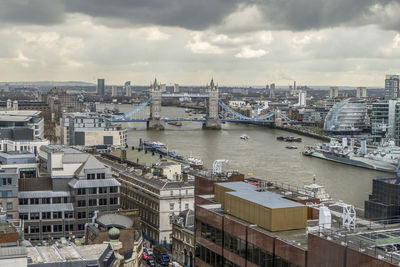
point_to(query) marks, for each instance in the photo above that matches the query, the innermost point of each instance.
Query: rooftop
(114, 220)
(66, 253)
(265, 198)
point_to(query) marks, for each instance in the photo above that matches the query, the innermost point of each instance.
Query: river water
(262, 155)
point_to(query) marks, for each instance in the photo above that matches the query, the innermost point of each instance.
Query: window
(186, 206)
(57, 228)
(9, 206)
(23, 201)
(56, 200)
(7, 181)
(90, 176)
(23, 216)
(81, 191)
(34, 201)
(171, 206)
(35, 216)
(171, 193)
(69, 227)
(113, 201)
(93, 191)
(6, 193)
(68, 214)
(81, 215)
(65, 199)
(101, 176)
(34, 229)
(57, 215)
(92, 202)
(103, 201)
(81, 227)
(9, 217)
(102, 190)
(81, 203)
(114, 189)
(46, 200)
(46, 215)
(46, 228)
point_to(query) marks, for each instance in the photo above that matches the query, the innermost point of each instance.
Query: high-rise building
(128, 89)
(272, 90)
(392, 86)
(176, 88)
(163, 87)
(333, 92)
(100, 87)
(114, 90)
(361, 92)
(302, 98)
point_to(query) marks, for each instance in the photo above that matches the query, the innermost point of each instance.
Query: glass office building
(348, 116)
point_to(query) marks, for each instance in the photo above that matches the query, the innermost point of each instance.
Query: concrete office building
(20, 139)
(90, 129)
(183, 242)
(128, 89)
(101, 88)
(158, 200)
(9, 192)
(114, 90)
(176, 88)
(272, 90)
(333, 92)
(77, 186)
(385, 119)
(361, 92)
(392, 86)
(23, 118)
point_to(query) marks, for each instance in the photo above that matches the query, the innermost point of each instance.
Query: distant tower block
(213, 121)
(176, 88)
(272, 90)
(361, 92)
(100, 87)
(128, 89)
(155, 107)
(114, 90)
(333, 92)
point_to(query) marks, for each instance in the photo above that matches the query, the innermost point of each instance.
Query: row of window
(52, 228)
(95, 190)
(5, 193)
(45, 200)
(212, 258)
(93, 176)
(46, 215)
(239, 247)
(5, 181)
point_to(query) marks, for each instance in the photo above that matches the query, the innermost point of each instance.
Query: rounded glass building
(348, 116)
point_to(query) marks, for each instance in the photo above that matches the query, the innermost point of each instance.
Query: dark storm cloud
(41, 12)
(296, 15)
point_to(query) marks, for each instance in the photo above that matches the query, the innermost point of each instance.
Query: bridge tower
(277, 118)
(213, 121)
(155, 107)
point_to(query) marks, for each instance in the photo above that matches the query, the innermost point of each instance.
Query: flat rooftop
(17, 154)
(264, 198)
(14, 118)
(69, 252)
(29, 113)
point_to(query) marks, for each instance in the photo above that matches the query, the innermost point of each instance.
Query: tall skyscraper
(114, 90)
(361, 92)
(302, 98)
(333, 92)
(128, 89)
(176, 88)
(391, 87)
(272, 90)
(100, 87)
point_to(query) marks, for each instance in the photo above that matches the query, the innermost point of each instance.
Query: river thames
(262, 155)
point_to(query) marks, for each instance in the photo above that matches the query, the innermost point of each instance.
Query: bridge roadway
(194, 120)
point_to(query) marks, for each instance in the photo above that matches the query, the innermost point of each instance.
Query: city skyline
(346, 43)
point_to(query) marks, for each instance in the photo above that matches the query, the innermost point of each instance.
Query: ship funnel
(344, 142)
(363, 147)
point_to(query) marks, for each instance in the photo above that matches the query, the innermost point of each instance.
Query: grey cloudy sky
(238, 42)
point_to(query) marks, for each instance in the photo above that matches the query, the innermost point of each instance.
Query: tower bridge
(217, 110)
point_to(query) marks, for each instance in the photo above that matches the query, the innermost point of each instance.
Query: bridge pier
(212, 125)
(155, 125)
